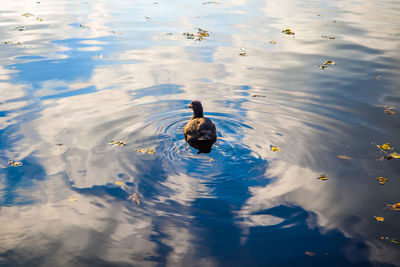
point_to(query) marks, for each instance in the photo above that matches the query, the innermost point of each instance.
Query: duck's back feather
(200, 129)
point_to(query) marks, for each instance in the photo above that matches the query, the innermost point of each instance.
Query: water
(90, 72)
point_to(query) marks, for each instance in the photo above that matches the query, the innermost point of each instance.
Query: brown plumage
(200, 132)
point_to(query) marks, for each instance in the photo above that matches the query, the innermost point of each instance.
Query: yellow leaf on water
(343, 157)
(211, 159)
(382, 180)
(385, 146)
(150, 151)
(395, 155)
(274, 148)
(394, 206)
(381, 219)
(272, 42)
(135, 197)
(72, 199)
(323, 177)
(330, 62)
(26, 15)
(243, 54)
(119, 183)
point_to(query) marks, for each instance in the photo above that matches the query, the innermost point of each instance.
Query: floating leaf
(382, 180)
(242, 54)
(21, 28)
(395, 155)
(84, 26)
(274, 148)
(188, 35)
(309, 253)
(148, 19)
(119, 143)
(26, 15)
(330, 62)
(135, 197)
(272, 42)
(212, 159)
(119, 183)
(15, 163)
(385, 146)
(326, 63)
(395, 241)
(394, 206)
(328, 37)
(343, 157)
(378, 77)
(201, 34)
(288, 32)
(72, 199)
(389, 111)
(258, 96)
(59, 144)
(148, 151)
(323, 177)
(39, 19)
(380, 219)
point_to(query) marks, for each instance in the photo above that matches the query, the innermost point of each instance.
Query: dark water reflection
(93, 72)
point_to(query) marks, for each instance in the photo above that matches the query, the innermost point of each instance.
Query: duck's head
(197, 109)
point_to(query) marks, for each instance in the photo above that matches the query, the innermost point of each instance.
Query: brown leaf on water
(59, 144)
(288, 32)
(382, 180)
(309, 253)
(380, 219)
(343, 157)
(258, 96)
(15, 163)
(323, 177)
(328, 37)
(135, 197)
(389, 111)
(393, 206)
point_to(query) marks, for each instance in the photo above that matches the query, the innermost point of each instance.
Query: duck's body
(200, 132)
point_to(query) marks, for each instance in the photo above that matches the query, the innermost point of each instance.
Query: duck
(200, 132)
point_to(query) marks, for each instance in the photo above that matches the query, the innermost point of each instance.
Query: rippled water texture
(77, 75)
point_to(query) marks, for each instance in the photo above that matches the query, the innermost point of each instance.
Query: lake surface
(76, 77)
